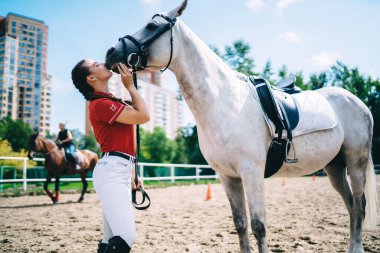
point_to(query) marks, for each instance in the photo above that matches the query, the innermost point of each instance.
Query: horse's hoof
(80, 199)
(54, 200)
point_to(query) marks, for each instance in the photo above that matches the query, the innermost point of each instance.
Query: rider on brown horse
(64, 140)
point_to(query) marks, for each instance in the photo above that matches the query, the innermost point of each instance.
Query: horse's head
(150, 46)
(35, 144)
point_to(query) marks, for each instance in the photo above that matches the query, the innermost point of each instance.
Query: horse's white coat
(234, 137)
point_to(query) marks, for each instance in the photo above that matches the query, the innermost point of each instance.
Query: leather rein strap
(143, 54)
(138, 206)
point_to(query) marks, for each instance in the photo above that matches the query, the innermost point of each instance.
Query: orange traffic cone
(209, 192)
(283, 182)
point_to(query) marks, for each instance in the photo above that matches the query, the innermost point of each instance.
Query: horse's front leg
(235, 193)
(83, 176)
(253, 183)
(57, 188)
(46, 185)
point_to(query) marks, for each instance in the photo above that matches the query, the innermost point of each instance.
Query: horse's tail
(372, 209)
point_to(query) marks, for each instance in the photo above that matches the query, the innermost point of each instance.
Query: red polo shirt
(111, 135)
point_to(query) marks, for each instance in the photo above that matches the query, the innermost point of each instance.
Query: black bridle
(140, 59)
(141, 56)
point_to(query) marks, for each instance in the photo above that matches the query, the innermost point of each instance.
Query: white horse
(234, 137)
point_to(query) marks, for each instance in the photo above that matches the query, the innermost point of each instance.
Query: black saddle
(288, 85)
(281, 109)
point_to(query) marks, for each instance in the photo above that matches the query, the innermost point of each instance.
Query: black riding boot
(102, 247)
(117, 245)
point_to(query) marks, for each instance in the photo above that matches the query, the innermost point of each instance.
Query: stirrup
(290, 160)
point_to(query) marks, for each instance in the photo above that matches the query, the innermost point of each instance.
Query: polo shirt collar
(102, 93)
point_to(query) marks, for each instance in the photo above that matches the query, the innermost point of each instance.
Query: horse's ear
(176, 12)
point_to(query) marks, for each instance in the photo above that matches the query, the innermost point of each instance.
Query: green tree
(89, 142)
(318, 81)
(156, 147)
(194, 154)
(16, 132)
(300, 81)
(282, 72)
(267, 72)
(180, 155)
(6, 150)
(78, 137)
(237, 57)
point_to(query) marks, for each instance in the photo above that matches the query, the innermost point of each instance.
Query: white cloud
(151, 1)
(290, 37)
(255, 5)
(61, 86)
(325, 59)
(283, 4)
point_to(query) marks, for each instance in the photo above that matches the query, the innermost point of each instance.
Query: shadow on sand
(40, 205)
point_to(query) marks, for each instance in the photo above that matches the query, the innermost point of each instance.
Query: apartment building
(25, 86)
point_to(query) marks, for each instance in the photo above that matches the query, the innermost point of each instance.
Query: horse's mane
(34, 136)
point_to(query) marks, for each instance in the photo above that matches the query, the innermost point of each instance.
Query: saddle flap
(289, 108)
(280, 107)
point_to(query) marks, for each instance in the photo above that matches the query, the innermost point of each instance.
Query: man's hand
(59, 144)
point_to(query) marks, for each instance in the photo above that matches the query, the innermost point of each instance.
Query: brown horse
(56, 164)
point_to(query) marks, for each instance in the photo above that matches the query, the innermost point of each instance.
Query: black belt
(122, 155)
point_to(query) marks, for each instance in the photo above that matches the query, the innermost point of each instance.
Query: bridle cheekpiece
(138, 60)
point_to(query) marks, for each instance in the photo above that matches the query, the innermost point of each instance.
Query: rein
(141, 58)
(138, 206)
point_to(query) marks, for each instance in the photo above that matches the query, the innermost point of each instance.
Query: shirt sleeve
(107, 110)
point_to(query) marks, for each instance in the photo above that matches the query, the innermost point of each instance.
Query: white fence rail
(142, 166)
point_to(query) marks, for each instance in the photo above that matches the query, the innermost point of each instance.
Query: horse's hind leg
(83, 176)
(337, 173)
(357, 165)
(56, 189)
(235, 193)
(46, 188)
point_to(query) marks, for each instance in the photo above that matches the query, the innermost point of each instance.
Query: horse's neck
(51, 149)
(208, 84)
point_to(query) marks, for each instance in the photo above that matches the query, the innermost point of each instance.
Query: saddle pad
(79, 156)
(315, 113)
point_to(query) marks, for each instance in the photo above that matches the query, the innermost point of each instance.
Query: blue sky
(305, 35)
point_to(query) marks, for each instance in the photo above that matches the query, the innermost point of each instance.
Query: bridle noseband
(141, 57)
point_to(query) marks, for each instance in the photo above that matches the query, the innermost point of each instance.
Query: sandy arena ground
(303, 216)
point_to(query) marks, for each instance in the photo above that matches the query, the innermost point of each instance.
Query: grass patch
(34, 189)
